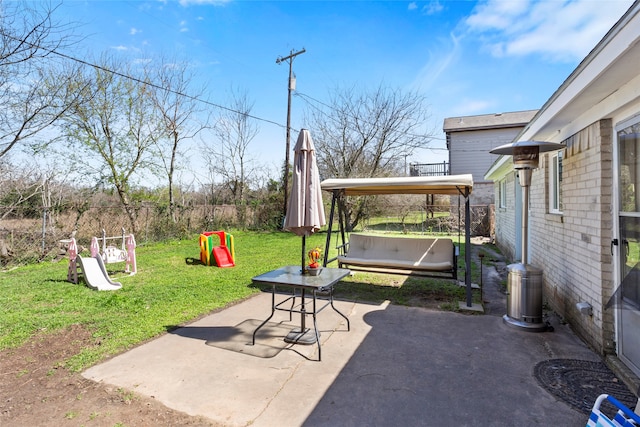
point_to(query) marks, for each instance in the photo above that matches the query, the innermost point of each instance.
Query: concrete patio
(396, 366)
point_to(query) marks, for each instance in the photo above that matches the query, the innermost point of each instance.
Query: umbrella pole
(303, 311)
(304, 243)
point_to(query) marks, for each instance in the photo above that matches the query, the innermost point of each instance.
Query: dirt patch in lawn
(36, 390)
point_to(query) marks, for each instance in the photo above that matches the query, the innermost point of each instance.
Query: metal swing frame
(460, 185)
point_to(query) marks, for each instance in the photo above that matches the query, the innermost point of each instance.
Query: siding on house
(505, 220)
(469, 150)
(469, 140)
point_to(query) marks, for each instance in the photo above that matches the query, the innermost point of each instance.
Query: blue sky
(466, 57)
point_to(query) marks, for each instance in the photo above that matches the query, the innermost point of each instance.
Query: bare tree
(29, 192)
(111, 129)
(182, 116)
(231, 159)
(19, 185)
(366, 135)
(29, 36)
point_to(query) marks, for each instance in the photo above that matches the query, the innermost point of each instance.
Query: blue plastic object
(625, 417)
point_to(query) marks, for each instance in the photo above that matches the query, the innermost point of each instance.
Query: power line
(137, 80)
(307, 98)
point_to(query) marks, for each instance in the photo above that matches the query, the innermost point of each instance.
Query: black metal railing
(429, 169)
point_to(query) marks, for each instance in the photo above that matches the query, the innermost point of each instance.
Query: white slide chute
(93, 269)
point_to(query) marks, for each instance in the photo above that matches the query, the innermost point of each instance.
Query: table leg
(303, 313)
(315, 327)
(303, 335)
(273, 310)
(293, 303)
(339, 312)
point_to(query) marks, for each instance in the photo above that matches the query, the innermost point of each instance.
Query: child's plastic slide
(95, 274)
(222, 256)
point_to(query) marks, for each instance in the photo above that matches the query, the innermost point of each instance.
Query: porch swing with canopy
(434, 257)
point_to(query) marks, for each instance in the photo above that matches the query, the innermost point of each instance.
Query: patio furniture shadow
(238, 338)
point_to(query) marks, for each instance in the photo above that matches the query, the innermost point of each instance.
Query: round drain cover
(579, 382)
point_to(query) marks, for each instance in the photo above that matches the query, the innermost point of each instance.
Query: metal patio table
(291, 277)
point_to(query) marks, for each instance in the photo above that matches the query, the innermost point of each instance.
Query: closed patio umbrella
(305, 211)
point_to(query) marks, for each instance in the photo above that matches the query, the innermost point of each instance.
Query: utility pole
(291, 87)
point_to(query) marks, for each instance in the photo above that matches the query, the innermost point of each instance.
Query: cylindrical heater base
(524, 298)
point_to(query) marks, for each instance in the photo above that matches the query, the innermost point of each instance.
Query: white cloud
(497, 15)
(133, 31)
(120, 48)
(142, 61)
(437, 65)
(432, 7)
(201, 2)
(563, 30)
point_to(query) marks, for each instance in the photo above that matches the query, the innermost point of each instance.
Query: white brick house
(584, 216)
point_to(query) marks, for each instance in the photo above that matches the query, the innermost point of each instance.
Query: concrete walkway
(397, 366)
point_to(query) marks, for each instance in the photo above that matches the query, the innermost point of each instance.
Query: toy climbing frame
(217, 248)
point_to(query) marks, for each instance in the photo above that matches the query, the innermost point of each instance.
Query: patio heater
(524, 283)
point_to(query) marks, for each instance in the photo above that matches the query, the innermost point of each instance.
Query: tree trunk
(129, 209)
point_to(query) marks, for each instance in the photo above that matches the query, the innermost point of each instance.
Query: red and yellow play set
(216, 248)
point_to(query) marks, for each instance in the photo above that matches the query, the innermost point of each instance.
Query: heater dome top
(543, 146)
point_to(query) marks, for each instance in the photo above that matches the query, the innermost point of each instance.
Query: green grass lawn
(171, 288)
(414, 222)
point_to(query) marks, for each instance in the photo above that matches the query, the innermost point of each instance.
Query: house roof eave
(501, 167)
(587, 84)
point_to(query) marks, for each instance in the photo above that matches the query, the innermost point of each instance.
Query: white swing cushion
(428, 254)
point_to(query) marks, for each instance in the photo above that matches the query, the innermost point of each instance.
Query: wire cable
(137, 80)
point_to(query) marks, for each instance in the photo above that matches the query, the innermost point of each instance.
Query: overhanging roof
(488, 121)
(448, 184)
(604, 83)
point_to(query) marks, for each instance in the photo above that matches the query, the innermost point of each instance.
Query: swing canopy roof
(447, 184)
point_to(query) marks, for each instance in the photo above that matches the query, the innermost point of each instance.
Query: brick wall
(482, 194)
(574, 248)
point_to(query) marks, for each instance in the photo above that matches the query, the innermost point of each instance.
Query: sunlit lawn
(171, 288)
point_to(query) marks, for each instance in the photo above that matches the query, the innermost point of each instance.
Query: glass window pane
(629, 143)
(630, 252)
(555, 183)
(559, 181)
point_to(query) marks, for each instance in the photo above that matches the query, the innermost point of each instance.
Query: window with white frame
(502, 194)
(555, 183)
